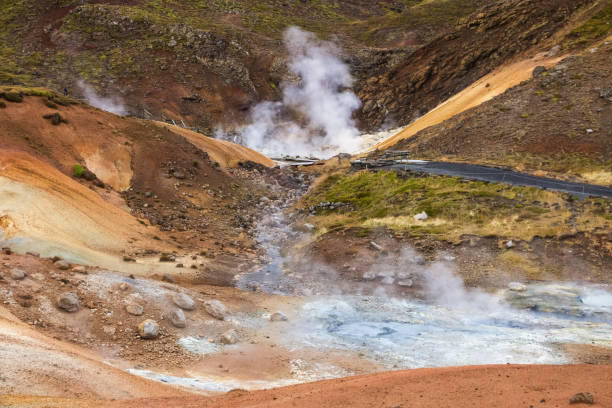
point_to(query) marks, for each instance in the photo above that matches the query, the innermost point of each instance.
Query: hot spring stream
(459, 327)
(467, 327)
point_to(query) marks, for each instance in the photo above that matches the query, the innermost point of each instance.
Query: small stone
(369, 275)
(509, 244)
(134, 309)
(582, 397)
(68, 301)
(589, 130)
(177, 318)
(110, 330)
(80, 269)
(230, 337)
(408, 283)
(517, 287)
(309, 227)
(278, 317)
(375, 246)
(18, 274)
(7, 250)
(168, 278)
(183, 301)
(34, 254)
(421, 216)
(216, 309)
(62, 265)
(148, 329)
(124, 286)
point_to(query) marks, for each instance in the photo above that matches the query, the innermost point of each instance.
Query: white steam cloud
(110, 104)
(322, 100)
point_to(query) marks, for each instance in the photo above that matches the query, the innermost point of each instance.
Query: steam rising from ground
(112, 104)
(322, 102)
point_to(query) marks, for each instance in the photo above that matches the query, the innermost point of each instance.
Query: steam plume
(322, 100)
(110, 104)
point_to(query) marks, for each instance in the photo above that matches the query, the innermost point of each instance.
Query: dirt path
(484, 89)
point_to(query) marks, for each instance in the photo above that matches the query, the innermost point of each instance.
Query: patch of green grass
(78, 171)
(455, 207)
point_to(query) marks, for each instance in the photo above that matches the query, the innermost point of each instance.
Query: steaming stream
(473, 328)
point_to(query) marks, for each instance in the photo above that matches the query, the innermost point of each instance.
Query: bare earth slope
(34, 364)
(146, 189)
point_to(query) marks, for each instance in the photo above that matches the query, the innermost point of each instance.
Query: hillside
(130, 188)
(225, 56)
(556, 122)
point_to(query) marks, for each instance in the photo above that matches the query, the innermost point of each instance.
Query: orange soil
(59, 216)
(223, 152)
(484, 89)
(38, 365)
(100, 139)
(457, 387)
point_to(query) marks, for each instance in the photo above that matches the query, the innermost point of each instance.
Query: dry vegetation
(455, 207)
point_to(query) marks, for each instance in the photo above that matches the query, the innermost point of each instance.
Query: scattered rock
(80, 269)
(216, 309)
(128, 259)
(553, 51)
(148, 329)
(134, 309)
(517, 287)
(509, 244)
(34, 254)
(183, 301)
(230, 337)
(68, 301)
(177, 318)
(539, 70)
(408, 283)
(62, 265)
(168, 278)
(375, 246)
(606, 93)
(7, 251)
(589, 130)
(369, 275)
(18, 274)
(179, 175)
(278, 317)
(124, 286)
(309, 227)
(582, 397)
(421, 216)
(110, 330)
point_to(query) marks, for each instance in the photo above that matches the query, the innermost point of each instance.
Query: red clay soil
(457, 387)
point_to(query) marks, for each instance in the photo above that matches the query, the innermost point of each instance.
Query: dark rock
(582, 398)
(68, 301)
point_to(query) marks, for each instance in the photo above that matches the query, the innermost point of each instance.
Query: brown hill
(558, 121)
